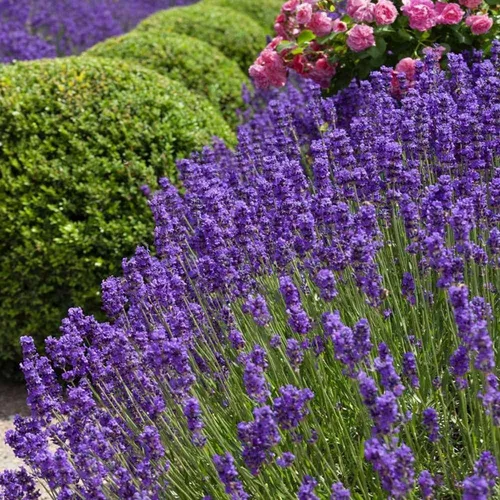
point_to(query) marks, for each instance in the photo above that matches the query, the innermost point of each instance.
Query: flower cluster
(329, 286)
(33, 29)
(330, 42)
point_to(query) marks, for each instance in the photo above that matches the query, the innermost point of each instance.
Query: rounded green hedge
(262, 11)
(199, 66)
(78, 138)
(236, 35)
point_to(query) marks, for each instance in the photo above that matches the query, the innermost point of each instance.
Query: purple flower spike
(291, 407)
(431, 423)
(236, 338)
(306, 491)
(258, 438)
(351, 347)
(410, 369)
(297, 317)
(339, 492)
(459, 366)
(257, 307)
(481, 484)
(385, 367)
(286, 460)
(228, 474)
(426, 483)
(295, 353)
(394, 466)
(408, 288)
(192, 412)
(18, 484)
(255, 382)
(326, 284)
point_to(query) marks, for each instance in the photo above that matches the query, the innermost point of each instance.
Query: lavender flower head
(339, 492)
(306, 491)
(228, 474)
(431, 423)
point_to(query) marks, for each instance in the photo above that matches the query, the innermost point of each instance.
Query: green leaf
(305, 36)
(285, 46)
(404, 35)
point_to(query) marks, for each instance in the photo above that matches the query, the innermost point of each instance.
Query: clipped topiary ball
(262, 11)
(79, 137)
(236, 35)
(199, 66)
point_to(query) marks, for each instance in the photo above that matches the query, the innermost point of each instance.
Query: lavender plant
(33, 29)
(319, 321)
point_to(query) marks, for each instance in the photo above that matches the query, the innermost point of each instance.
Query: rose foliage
(331, 42)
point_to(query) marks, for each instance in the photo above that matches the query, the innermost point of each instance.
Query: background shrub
(199, 66)
(236, 35)
(263, 11)
(79, 137)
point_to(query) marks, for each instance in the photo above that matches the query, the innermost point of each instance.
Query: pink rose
(339, 26)
(268, 70)
(280, 30)
(361, 11)
(385, 12)
(322, 72)
(448, 13)
(274, 42)
(299, 64)
(421, 14)
(320, 24)
(304, 13)
(406, 66)
(471, 4)
(479, 24)
(360, 37)
(290, 6)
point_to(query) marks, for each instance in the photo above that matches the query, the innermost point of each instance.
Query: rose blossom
(320, 24)
(322, 72)
(406, 66)
(385, 12)
(479, 24)
(361, 11)
(299, 64)
(471, 4)
(304, 13)
(421, 14)
(290, 6)
(360, 37)
(339, 26)
(448, 13)
(269, 69)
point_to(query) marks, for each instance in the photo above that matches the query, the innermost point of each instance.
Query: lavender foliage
(361, 184)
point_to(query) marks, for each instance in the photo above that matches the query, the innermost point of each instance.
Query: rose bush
(350, 39)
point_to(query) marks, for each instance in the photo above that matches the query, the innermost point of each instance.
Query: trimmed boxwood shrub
(199, 66)
(262, 11)
(236, 35)
(79, 137)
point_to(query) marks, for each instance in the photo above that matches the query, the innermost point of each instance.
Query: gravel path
(12, 401)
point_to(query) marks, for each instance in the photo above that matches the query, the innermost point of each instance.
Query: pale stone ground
(12, 401)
